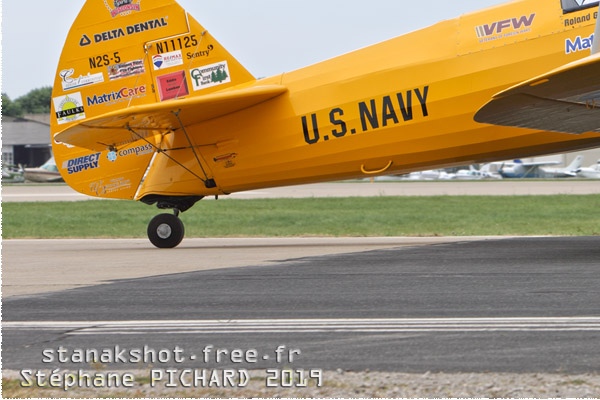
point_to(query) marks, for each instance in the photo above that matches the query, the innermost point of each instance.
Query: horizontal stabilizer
(128, 125)
(565, 100)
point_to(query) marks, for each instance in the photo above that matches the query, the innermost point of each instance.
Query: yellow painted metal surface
(403, 105)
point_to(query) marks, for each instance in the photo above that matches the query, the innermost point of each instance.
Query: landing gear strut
(166, 231)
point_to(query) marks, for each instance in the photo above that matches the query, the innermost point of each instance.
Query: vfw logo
(505, 26)
(122, 7)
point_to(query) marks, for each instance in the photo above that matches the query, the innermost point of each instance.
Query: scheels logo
(123, 7)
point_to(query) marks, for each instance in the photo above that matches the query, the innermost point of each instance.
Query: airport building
(26, 141)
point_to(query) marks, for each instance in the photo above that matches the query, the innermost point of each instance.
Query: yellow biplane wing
(565, 100)
(129, 125)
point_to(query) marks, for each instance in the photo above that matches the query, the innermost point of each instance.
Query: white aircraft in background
(473, 174)
(591, 172)
(519, 169)
(567, 172)
(539, 169)
(47, 173)
(430, 175)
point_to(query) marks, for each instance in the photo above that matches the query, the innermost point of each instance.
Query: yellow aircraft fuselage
(145, 70)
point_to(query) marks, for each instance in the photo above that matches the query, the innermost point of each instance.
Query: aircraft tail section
(120, 55)
(576, 164)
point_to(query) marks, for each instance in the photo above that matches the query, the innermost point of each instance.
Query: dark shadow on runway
(517, 277)
(534, 277)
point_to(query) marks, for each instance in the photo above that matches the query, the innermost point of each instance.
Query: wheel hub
(164, 231)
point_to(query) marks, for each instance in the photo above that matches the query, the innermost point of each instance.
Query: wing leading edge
(129, 125)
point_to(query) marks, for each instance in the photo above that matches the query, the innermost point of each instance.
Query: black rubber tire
(166, 231)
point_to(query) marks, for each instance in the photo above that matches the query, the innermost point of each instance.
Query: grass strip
(566, 215)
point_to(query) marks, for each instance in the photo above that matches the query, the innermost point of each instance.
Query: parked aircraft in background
(473, 174)
(520, 169)
(148, 106)
(567, 172)
(539, 169)
(591, 172)
(12, 174)
(430, 175)
(47, 173)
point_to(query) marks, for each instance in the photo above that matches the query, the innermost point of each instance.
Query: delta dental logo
(505, 28)
(123, 7)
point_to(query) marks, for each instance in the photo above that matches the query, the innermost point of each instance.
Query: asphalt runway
(37, 193)
(445, 305)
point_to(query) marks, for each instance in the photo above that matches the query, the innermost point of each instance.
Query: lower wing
(565, 100)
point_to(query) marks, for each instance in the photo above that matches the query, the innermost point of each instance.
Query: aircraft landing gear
(166, 231)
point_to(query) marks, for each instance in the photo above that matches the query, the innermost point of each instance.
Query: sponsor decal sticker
(125, 94)
(101, 188)
(134, 151)
(81, 164)
(172, 86)
(124, 32)
(579, 44)
(505, 28)
(200, 53)
(69, 82)
(125, 70)
(69, 108)
(122, 7)
(210, 75)
(167, 60)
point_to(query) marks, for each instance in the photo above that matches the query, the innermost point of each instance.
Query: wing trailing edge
(564, 100)
(118, 128)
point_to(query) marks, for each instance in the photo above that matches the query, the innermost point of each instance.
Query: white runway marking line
(572, 324)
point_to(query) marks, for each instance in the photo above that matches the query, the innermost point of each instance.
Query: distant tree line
(35, 102)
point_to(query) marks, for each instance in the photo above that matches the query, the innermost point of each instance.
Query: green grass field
(377, 216)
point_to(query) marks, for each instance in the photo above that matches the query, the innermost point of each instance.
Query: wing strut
(208, 182)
